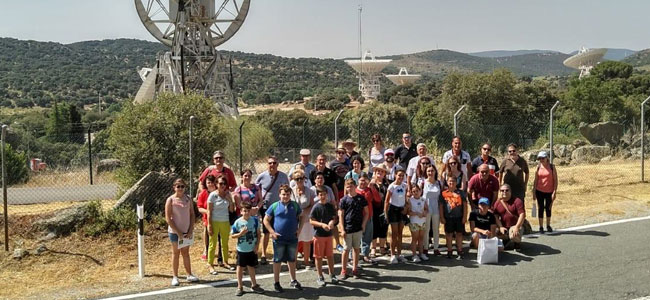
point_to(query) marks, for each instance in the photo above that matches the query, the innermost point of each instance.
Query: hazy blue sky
(328, 28)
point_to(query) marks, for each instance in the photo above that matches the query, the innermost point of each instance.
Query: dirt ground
(78, 267)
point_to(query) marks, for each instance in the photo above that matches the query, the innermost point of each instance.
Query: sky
(329, 28)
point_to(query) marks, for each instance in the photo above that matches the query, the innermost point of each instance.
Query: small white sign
(182, 243)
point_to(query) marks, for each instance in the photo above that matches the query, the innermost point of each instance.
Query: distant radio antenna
(360, 43)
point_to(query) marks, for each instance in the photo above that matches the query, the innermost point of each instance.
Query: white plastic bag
(488, 251)
(533, 211)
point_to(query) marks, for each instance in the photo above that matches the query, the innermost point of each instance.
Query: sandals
(229, 267)
(212, 270)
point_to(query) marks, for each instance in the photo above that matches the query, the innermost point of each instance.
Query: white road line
(265, 276)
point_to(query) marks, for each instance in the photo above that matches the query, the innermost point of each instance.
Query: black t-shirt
(405, 154)
(482, 221)
(491, 161)
(340, 169)
(328, 174)
(323, 213)
(353, 212)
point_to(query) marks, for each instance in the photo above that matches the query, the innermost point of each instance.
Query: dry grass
(82, 267)
(59, 178)
(44, 208)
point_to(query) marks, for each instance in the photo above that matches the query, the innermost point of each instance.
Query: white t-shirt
(376, 157)
(417, 206)
(431, 192)
(464, 159)
(413, 164)
(330, 194)
(398, 194)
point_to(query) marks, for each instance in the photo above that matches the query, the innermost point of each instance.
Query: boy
(482, 222)
(282, 220)
(246, 230)
(353, 216)
(323, 218)
(452, 213)
(371, 195)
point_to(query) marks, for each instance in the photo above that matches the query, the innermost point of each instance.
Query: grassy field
(94, 267)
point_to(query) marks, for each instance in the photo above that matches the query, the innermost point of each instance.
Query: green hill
(640, 59)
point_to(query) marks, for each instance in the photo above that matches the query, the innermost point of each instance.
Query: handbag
(488, 251)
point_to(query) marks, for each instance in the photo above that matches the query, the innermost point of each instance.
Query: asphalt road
(54, 194)
(607, 262)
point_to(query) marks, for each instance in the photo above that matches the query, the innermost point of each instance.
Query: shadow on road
(588, 232)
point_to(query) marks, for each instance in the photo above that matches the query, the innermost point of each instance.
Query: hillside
(639, 59)
(35, 73)
(504, 53)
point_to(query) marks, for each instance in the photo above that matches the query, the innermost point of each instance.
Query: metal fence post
(241, 147)
(90, 155)
(336, 130)
(359, 133)
(550, 131)
(642, 138)
(190, 146)
(456, 119)
(4, 187)
(303, 132)
(411, 124)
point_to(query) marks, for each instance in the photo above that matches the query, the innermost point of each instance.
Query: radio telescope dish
(585, 60)
(403, 77)
(222, 21)
(369, 70)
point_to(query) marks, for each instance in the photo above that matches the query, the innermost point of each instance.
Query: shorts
(416, 227)
(173, 237)
(395, 214)
(246, 259)
(454, 226)
(284, 251)
(353, 240)
(323, 246)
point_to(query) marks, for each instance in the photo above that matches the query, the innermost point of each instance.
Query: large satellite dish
(585, 60)
(368, 69)
(403, 77)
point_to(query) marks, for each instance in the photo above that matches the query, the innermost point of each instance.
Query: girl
(418, 211)
(454, 169)
(380, 226)
(357, 167)
(420, 174)
(179, 213)
(394, 209)
(219, 205)
(305, 198)
(209, 184)
(431, 191)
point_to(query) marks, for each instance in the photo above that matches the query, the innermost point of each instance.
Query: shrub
(111, 221)
(17, 170)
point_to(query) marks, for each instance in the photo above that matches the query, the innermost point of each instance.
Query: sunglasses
(299, 178)
(376, 141)
(340, 152)
(406, 137)
(487, 149)
(425, 163)
(180, 186)
(512, 151)
(484, 172)
(505, 191)
(273, 163)
(222, 183)
(218, 157)
(453, 163)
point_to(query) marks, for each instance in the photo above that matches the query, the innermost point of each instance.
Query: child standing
(246, 230)
(179, 213)
(452, 213)
(353, 216)
(418, 211)
(394, 213)
(323, 219)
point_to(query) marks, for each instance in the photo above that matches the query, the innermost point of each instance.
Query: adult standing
(420, 173)
(544, 189)
(514, 172)
(510, 216)
(305, 198)
(432, 190)
(248, 192)
(341, 167)
(179, 213)
(218, 169)
(220, 204)
(405, 151)
(485, 158)
(307, 166)
(482, 184)
(390, 165)
(210, 182)
(454, 169)
(350, 153)
(270, 181)
(329, 176)
(376, 153)
(463, 157)
(414, 163)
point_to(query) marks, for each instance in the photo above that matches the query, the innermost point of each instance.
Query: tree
(76, 127)
(17, 171)
(58, 126)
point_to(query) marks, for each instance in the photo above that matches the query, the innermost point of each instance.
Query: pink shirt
(544, 179)
(180, 213)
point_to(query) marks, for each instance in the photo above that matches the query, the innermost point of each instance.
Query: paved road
(54, 194)
(607, 262)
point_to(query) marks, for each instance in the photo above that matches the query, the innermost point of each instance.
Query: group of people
(348, 206)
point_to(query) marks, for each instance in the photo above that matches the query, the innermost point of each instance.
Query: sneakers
(204, 257)
(549, 229)
(263, 261)
(175, 281)
(356, 273)
(436, 252)
(416, 259)
(401, 258)
(278, 288)
(460, 256)
(424, 257)
(393, 260)
(257, 289)
(295, 284)
(300, 255)
(339, 248)
(320, 281)
(192, 278)
(239, 293)
(334, 279)
(541, 230)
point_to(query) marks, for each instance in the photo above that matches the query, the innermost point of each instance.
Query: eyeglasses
(218, 157)
(299, 178)
(273, 163)
(487, 149)
(222, 183)
(425, 163)
(180, 186)
(484, 172)
(504, 191)
(376, 141)
(406, 137)
(453, 163)
(512, 151)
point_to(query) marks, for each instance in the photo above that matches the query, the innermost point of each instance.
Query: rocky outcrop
(151, 191)
(590, 154)
(67, 220)
(107, 165)
(602, 133)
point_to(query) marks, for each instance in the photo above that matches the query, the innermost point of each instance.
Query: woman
(544, 189)
(357, 170)
(248, 192)
(394, 212)
(179, 214)
(380, 226)
(420, 174)
(220, 204)
(305, 198)
(209, 184)
(431, 191)
(376, 153)
(453, 169)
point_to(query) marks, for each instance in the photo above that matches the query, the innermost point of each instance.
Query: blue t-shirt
(352, 208)
(246, 242)
(285, 220)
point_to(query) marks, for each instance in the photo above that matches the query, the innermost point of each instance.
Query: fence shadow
(96, 261)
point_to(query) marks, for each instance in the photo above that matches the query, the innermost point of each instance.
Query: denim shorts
(284, 251)
(173, 237)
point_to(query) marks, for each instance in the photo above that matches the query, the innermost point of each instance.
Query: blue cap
(484, 200)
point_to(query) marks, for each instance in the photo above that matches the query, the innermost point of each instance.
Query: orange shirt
(545, 179)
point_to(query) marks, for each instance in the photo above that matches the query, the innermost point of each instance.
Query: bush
(257, 142)
(17, 170)
(111, 221)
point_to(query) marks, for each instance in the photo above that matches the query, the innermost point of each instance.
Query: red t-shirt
(483, 189)
(516, 207)
(368, 195)
(202, 202)
(230, 176)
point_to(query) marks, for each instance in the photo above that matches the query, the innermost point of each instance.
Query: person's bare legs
(276, 271)
(251, 274)
(186, 260)
(420, 246)
(330, 265)
(292, 270)
(175, 257)
(306, 249)
(449, 239)
(355, 258)
(337, 236)
(394, 227)
(344, 260)
(319, 266)
(459, 242)
(240, 276)
(400, 229)
(413, 240)
(265, 245)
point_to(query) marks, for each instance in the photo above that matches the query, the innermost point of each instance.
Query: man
(514, 172)
(282, 221)
(482, 184)
(340, 167)
(413, 163)
(405, 151)
(462, 155)
(270, 181)
(328, 175)
(305, 158)
(349, 145)
(218, 169)
(389, 163)
(485, 158)
(510, 215)
(482, 223)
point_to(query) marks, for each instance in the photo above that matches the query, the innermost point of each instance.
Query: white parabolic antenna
(585, 60)
(403, 77)
(192, 29)
(369, 69)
